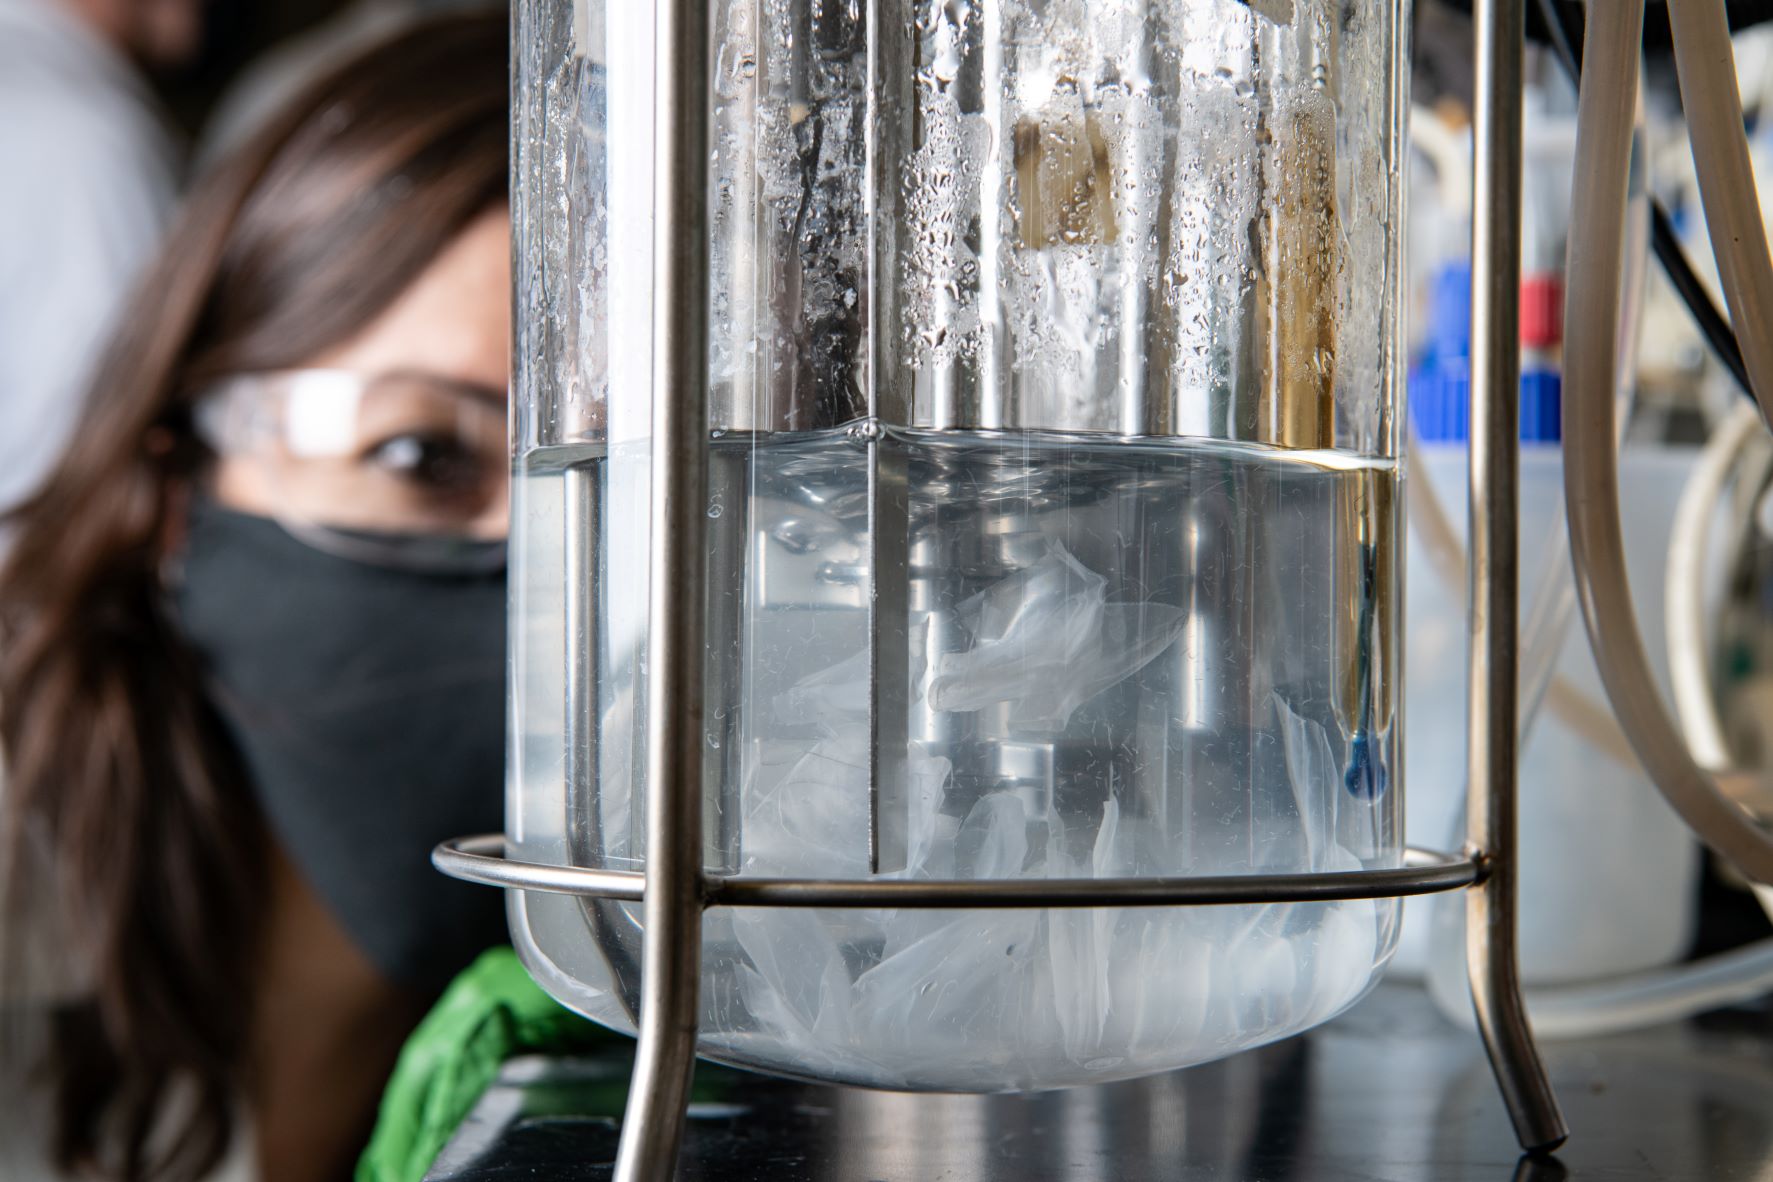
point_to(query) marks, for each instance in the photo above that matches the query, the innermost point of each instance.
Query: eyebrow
(496, 396)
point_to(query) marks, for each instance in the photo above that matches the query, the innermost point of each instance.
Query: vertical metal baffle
(676, 886)
(889, 672)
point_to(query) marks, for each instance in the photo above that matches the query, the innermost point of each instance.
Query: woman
(251, 639)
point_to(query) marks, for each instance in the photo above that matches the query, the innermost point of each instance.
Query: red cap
(1542, 310)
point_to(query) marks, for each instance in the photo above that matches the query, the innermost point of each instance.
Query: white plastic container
(1608, 873)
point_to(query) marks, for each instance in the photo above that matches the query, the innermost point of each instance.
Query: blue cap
(1440, 403)
(1542, 406)
(1440, 399)
(1449, 312)
(1440, 385)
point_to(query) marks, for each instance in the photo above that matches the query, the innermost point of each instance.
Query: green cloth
(489, 1014)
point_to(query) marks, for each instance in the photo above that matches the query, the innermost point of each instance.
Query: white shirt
(87, 178)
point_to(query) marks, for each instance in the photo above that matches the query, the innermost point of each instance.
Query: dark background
(236, 32)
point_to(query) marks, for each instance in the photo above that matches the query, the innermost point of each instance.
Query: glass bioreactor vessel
(1052, 517)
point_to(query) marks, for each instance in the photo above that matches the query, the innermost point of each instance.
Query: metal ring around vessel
(483, 860)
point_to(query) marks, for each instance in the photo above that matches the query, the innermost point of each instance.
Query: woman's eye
(438, 463)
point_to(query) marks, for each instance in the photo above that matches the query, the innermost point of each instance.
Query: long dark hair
(128, 829)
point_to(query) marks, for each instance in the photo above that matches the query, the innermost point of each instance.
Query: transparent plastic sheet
(1005, 991)
(1046, 641)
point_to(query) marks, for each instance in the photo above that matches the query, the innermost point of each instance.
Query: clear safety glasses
(399, 469)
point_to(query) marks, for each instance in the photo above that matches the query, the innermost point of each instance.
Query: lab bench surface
(1390, 1092)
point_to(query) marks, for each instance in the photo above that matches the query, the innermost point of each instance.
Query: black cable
(1706, 314)
(1565, 24)
(1658, 37)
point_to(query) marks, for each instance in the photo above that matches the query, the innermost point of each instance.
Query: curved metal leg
(1490, 935)
(652, 1126)
(1502, 1015)
(658, 1093)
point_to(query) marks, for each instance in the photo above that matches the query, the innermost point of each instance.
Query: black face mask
(368, 704)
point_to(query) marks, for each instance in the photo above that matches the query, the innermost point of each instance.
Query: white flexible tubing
(1449, 153)
(1684, 611)
(1644, 999)
(1591, 469)
(1706, 66)
(1662, 995)
(1554, 600)
(1434, 529)
(1743, 973)
(1542, 637)
(1683, 597)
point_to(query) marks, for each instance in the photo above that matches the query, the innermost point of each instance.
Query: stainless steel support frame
(1425, 872)
(1492, 949)
(652, 1126)
(675, 887)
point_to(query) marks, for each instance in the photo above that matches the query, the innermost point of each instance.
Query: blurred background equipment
(88, 175)
(101, 102)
